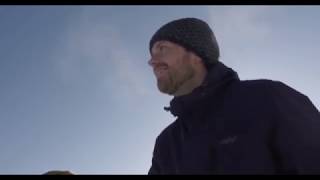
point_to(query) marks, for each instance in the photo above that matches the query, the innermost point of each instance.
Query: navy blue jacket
(228, 126)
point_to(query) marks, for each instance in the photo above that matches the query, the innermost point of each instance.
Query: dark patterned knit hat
(194, 35)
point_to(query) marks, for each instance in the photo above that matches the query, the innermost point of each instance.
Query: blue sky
(76, 92)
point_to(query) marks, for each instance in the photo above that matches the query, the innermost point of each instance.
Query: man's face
(171, 65)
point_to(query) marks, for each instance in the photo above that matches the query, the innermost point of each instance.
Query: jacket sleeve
(296, 135)
(155, 166)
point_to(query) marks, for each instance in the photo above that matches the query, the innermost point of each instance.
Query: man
(225, 125)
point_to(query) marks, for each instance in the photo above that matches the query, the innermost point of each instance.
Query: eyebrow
(163, 44)
(156, 46)
(159, 44)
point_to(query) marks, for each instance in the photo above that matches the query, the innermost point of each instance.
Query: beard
(174, 79)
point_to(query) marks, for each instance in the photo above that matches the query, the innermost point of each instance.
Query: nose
(152, 62)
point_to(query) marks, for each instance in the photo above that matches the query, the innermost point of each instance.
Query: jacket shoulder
(264, 83)
(264, 87)
(259, 83)
(251, 88)
(166, 133)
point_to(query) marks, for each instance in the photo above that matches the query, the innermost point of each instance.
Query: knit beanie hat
(194, 35)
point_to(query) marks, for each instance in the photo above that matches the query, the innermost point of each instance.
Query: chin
(165, 87)
(165, 90)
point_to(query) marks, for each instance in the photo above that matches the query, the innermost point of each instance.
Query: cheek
(178, 65)
(174, 63)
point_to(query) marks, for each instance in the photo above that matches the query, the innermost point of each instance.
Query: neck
(191, 84)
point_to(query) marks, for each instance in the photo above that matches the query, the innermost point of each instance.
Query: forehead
(165, 43)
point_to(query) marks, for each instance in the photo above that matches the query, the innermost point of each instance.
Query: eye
(162, 48)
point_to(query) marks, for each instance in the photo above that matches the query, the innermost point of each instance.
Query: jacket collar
(217, 78)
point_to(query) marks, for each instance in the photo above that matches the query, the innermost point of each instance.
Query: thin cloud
(239, 29)
(239, 23)
(92, 46)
